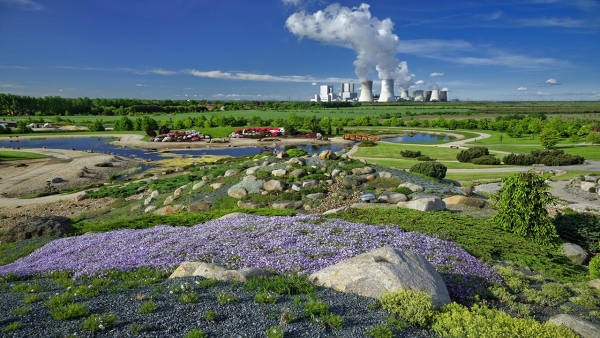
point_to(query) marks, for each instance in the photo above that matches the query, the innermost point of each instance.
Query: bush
(367, 143)
(414, 307)
(592, 189)
(296, 152)
(95, 322)
(430, 168)
(425, 158)
(403, 190)
(522, 209)
(595, 267)
(552, 157)
(458, 321)
(471, 153)
(410, 153)
(163, 130)
(150, 132)
(487, 160)
(581, 229)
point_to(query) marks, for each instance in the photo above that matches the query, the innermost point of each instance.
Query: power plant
(366, 91)
(347, 93)
(387, 91)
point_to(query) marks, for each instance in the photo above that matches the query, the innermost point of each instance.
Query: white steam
(372, 39)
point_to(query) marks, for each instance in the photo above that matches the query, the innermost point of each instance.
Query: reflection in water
(418, 137)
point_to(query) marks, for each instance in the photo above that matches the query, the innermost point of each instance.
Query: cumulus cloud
(542, 94)
(8, 85)
(27, 5)
(420, 83)
(445, 89)
(552, 81)
(140, 85)
(217, 74)
(436, 74)
(314, 83)
(522, 88)
(160, 71)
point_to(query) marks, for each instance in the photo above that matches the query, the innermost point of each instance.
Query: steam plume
(372, 39)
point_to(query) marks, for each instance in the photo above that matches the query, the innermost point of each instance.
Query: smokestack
(443, 96)
(404, 95)
(366, 91)
(387, 91)
(435, 95)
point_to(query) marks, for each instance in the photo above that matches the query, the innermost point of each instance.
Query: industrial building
(347, 93)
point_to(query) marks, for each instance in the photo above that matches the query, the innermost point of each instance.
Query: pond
(102, 145)
(418, 138)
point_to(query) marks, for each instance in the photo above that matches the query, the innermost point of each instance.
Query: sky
(499, 50)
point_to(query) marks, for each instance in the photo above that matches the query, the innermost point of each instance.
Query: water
(102, 145)
(418, 137)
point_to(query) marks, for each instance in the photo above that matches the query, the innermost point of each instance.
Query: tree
(549, 137)
(522, 203)
(22, 127)
(574, 138)
(593, 138)
(96, 126)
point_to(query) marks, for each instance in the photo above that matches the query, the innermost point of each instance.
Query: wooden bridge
(361, 137)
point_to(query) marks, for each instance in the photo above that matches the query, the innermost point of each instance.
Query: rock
(155, 193)
(413, 187)
(424, 204)
(278, 172)
(309, 184)
(381, 270)
(282, 155)
(248, 204)
(327, 155)
(367, 197)
(199, 207)
(252, 170)
(136, 207)
(297, 173)
(594, 283)
(103, 165)
(177, 192)
(296, 160)
(296, 188)
(385, 174)
(38, 226)
(287, 204)
(370, 177)
(148, 200)
(213, 271)
(185, 269)
(237, 192)
(585, 186)
(170, 200)
(468, 191)
(336, 210)
(274, 185)
(233, 215)
(56, 180)
(582, 327)
(198, 185)
(316, 196)
(351, 181)
(249, 178)
(589, 178)
(391, 197)
(80, 197)
(463, 200)
(150, 209)
(574, 252)
(335, 172)
(169, 210)
(362, 171)
(231, 172)
(216, 186)
(142, 188)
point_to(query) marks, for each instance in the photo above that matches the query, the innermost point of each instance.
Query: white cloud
(314, 84)
(160, 71)
(217, 74)
(292, 2)
(551, 22)
(522, 88)
(420, 83)
(27, 5)
(542, 94)
(8, 85)
(436, 74)
(445, 89)
(552, 82)
(140, 85)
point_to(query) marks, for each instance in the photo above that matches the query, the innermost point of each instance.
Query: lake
(418, 138)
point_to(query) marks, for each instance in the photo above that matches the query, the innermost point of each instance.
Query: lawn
(392, 151)
(10, 155)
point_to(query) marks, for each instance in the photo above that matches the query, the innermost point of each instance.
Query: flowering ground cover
(302, 244)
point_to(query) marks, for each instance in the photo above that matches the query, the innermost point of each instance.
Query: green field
(10, 155)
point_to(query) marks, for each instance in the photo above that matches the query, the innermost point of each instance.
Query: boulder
(351, 181)
(585, 186)
(335, 172)
(171, 209)
(38, 226)
(297, 173)
(424, 204)
(252, 170)
(177, 192)
(249, 178)
(467, 191)
(233, 215)
(185, 269)
(170, 199)
(80, 197)
(574, 252)
(594, 283)
(296, 160)
(282, 155)
(150, 209)
(309, 184)
(213, 271)
(327, 155)
(381, 270)
(582, 327)
(589, 178)
(199, 207)
(278, 172)
(56, 180)
(274, 185)
(216, 186)
(367, 197)
(148, 200)
(248, 204)
(287, 205)
(142, 188)
(198, 185)
(363, 171)
(296, 188)
(413, 187)
(316, 196)
(231, 172)
(334, 211)
(385, 174)
(155, 193)
(463, 200)
(391, 197)
(237, 192)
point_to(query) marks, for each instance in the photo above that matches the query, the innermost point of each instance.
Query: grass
(476, 176)
(392, 150)
(11, 155)
(407, 164)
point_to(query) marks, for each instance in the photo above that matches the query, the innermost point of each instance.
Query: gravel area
(172, 318)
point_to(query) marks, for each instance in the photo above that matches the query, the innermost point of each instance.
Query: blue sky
(243, 49)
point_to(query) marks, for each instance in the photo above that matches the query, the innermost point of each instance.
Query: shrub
(262, 174)
(581, 229)
(552, 157)
(410, 153)
(522, 209)
(69, 311)
(367, 143)
(594, 267)
(403, 190)
(315, 307)
(226, 298)
(487, 160)
(414, 307)
(296, 152)
(431, 169)
(458, 321)
(148, 307)
(275, 332)
(96, 322)
(425, 158)
(196, 334)
(12, 327)
(266, 297)
(150, 132)
(555, 291)
(210, 315)
(188, 297)
(471, 153)
(163, 130)
(379, 331)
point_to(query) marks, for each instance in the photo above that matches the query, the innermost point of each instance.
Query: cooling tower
(435, 95)
(366, 91)
(428, 95)
(404, 95)
(387, 91)
(417, 95)
(443, 96)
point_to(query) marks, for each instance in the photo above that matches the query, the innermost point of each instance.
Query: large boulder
(582, 327)
(363, 171)
(213, 271)
(316, 196)
(38, 226)
(381, 270)
(287, 204)
(231, 172)
(237, 192)
(278, 172)
(585, 186)
(385, 174)
(297, 173)
(574, 252)
(463, 200)
(328, 155)
(252, 170)
(413, 187)
(391, 197)
(170, 199)
(248, 204)
(274, 185)
(171, 209)
(199, 207)
(424, 204)
(198, 185)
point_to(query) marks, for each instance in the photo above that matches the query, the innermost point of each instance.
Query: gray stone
(252, 170)
(274, 185)
(282, 155)
(237, 192)
(170, 199)
(367, 197)
(336, 210)
(199, 207)
(150, 209)
(585, 186)
(424, 204)
(328, 155)
(185, 269)
(171, 209)
(574, 252)
(463, 200)
(381, 270)
(249, 178)
(231, 172)
(148, 200)
(296, 188)
(213, 271)
(582, 327)
(351, 181)
(370, 177)
(309, 184)
(177, 192)
(316, 196)
(391, 197)
(38, 226)
(362, 171)
(287, 204)
(589, 178)
(296, 160)
(216, 186)
(80, 197)
(335, 172)
(155, 193)
(56, 180)
(233, 215)
(278, 172)
(198, 185)
(297, 173)
(142, 188)
(385, 174)
(248, 204)
(413, 187)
